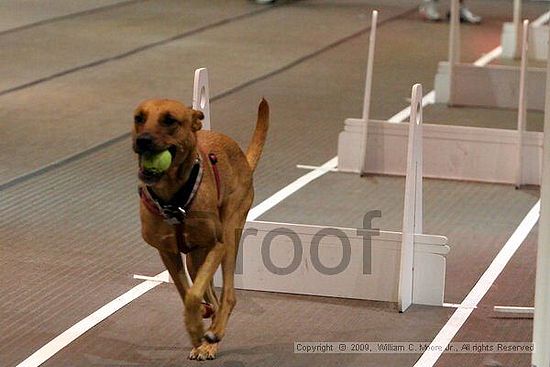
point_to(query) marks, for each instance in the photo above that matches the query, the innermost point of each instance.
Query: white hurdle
(405, 267)
(512, 36)
(463, 84)
(201, 96)
(452, 152)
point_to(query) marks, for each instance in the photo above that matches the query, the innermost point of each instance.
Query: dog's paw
(204, 351)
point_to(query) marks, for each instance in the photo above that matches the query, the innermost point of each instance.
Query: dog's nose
(144, 142)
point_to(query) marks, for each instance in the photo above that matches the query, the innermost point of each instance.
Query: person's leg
(428, 10)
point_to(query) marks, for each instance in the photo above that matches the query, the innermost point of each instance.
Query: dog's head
(161, 124)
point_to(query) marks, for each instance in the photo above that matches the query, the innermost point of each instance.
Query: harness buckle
(183, 212)
(174, 215)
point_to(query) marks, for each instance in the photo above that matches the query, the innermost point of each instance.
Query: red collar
(175, 210)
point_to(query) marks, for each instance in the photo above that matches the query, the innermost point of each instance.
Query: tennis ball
(157, 162)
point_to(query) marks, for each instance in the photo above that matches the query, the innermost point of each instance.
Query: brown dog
(198, 206)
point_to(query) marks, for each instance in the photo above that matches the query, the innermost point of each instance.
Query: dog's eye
(169, 120)
(139, 119)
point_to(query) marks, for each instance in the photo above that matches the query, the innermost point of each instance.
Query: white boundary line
(488, 57)
(69, 335)
(459, 317)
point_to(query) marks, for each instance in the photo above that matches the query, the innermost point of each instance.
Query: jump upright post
(522, 103)
(412, 212)
(452, 151)
(481, 85)
(454, 45)
(517, 27)
(541, 327)
(368, 89)
(201, 96)
(512, 35)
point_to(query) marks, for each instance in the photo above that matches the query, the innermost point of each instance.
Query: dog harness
(175, 211)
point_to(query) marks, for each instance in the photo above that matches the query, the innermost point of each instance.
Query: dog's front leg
(193, 299)
(233, 229)
(228, 300)
(174, 265)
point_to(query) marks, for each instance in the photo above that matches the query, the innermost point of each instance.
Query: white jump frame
(512, 36)
(405, 267)
(461, 84)
(452, 152)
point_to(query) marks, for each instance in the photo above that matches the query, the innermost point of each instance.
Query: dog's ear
(196, 124)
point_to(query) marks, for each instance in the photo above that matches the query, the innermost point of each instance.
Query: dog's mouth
(149, 176)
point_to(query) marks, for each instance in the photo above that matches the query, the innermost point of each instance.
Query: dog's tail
(256, 146)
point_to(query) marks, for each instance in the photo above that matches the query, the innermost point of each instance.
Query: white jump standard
(451, 152)
(405, 267)
(511, 36)
(495, 86)
(201, 96)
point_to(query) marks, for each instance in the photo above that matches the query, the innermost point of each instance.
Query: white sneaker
(428, 10)
(466, 16)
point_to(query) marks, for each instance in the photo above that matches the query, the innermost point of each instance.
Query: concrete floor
(72, 72)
